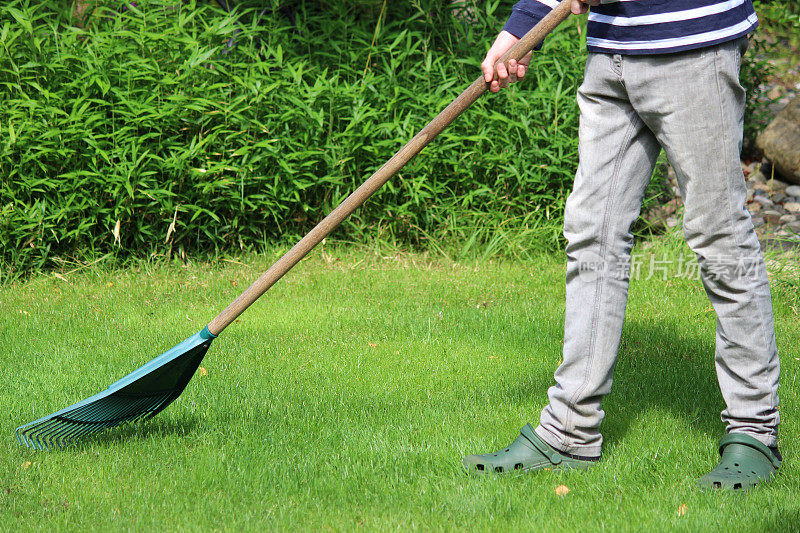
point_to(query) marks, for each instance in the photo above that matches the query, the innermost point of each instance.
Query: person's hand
(515, 70)
(580, 7)
(505, 73)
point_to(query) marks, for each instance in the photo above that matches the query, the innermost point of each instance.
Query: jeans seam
(725, 141)
(598, 296)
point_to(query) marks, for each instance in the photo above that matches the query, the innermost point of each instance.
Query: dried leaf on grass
(562, 490)
(682, 509)
(202, 370)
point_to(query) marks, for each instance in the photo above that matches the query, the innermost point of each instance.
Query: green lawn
(347, 396)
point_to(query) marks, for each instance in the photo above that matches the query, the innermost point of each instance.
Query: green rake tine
(100, 413)
(39, 433)
(71, 429)
(127, 411)
(149, 406)
(34, 443)
(81, 421)
(133, 413)
(142, 413)
(22, 437)
(94, 427)
(85, 411)
(41, 443)
(51, 436)
(84, 429)
(54, 439)
(42, 434)
(77, 418)
(152, 411)
(168, 399)
(23, 441)
(62, 439)
(157, 407)
(31, 438)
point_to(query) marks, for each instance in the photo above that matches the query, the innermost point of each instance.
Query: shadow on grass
(780, 520)
(661, 367)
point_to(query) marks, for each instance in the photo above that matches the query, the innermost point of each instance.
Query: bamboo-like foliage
(143, 132)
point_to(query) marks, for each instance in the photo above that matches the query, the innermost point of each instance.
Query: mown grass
(347, 396)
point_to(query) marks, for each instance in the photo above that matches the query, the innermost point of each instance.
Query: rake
(151, 388)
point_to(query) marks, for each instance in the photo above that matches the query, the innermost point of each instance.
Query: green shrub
(138, 134)
(144, 133)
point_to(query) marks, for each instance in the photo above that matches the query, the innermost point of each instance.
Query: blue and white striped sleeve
(525, 15)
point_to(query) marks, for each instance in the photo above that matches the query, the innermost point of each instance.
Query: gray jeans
(691, 104)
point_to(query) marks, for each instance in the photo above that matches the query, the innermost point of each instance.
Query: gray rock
(758, 222)
(792, 207)
(763, 200)
(672, 222)
(757, 177)
(792, 190)
(772, 217)
(780, 142)
(778, 197)
(776, 92)
(786, 219)
(778, 184)
(793, 227)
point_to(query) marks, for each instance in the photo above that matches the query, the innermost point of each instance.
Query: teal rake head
(141, 394)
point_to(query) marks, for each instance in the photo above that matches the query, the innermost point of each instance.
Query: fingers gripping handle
(536, 35)
(531, 39)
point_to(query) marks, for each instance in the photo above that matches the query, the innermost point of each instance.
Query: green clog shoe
(745, 463)
(527, 453)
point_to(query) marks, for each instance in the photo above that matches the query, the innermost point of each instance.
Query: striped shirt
(649, 26)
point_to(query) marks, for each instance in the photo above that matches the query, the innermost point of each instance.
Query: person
(658, 75)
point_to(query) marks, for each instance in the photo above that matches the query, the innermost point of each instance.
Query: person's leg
(617, 155)
(694, 104)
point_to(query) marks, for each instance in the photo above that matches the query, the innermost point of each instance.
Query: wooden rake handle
(531, 39)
